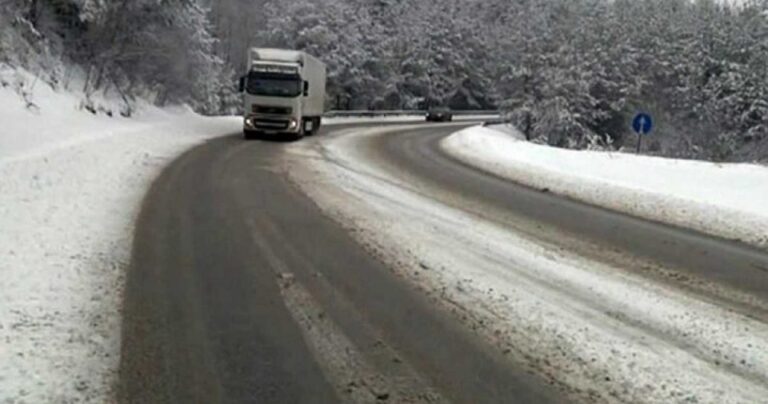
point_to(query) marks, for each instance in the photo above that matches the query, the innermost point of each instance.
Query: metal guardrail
(374, 114)
(491, 122)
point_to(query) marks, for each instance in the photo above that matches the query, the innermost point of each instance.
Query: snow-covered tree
(569, 72)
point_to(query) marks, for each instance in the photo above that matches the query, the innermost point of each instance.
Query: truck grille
(262, 123)
(261, 109)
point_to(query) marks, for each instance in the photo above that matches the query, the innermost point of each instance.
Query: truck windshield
(275, 85)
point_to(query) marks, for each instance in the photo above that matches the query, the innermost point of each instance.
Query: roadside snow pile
(37, 119)
(507, 129)
(726, 200)
(71, 184)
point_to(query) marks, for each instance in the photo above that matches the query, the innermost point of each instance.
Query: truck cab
(284, 93)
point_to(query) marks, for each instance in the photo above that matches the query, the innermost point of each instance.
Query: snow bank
(70, 186)
(726, 200)
(37, 119)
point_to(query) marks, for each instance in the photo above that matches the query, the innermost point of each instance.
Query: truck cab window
(275, 85)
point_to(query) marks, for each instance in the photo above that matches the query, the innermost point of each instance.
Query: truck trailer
(284, 93)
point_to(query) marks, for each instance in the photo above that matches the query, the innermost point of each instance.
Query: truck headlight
(249, 122)
(292, 124)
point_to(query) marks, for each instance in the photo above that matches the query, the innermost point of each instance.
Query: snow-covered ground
(727, 200)
(597, 332)
(71, 184)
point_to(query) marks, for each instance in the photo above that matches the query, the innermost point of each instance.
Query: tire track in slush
(355, 378)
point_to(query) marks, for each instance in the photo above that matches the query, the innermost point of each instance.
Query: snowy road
(365, 265)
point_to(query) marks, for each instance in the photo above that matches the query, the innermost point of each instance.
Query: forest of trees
(569, 73)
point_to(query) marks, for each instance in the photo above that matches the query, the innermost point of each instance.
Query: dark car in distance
(439, 115)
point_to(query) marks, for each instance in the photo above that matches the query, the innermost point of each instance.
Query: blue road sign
(642, 124)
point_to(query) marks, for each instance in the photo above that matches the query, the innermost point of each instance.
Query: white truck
(284, 93)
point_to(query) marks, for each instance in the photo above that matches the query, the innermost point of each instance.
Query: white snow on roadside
(597, 332)
(508, 129)
(727, 200)
(71, 184)
(55, 118)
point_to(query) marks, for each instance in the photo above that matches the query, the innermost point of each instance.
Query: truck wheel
(300, 134)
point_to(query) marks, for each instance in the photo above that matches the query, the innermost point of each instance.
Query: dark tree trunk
(32, 12)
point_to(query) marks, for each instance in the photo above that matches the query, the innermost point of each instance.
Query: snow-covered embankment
(71, 184)
(726, 200)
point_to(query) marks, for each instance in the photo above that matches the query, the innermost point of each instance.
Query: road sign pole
(639, 142)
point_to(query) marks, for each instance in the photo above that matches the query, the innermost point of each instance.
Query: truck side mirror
(241, 85)
(306, 88)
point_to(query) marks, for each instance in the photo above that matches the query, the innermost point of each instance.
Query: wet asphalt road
(205, 319)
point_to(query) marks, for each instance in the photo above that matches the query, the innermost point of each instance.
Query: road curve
(417, 155)
(241, 290)
(233, 273)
